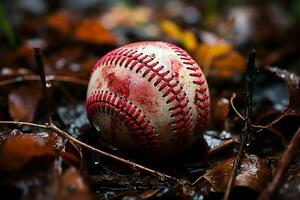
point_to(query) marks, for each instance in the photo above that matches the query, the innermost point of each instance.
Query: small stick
(221, 147)
(40, 67)
(282, 168)
(261, 127)
(52, 127)
(67, 79)
(245, 137)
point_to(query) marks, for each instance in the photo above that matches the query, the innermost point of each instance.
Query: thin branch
(282, 168)
(40, 67)
(52, 127)
(245, 137)
(261, 127)
(67, 79)
(241, 116)
(221, 147)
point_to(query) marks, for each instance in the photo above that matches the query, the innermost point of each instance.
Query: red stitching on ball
(169, 83)
(201, 97)
(104, 102)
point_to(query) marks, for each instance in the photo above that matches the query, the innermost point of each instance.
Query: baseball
(148, 98)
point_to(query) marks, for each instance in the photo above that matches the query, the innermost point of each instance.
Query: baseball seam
(125, 111)
(201, 97)
(181, 117)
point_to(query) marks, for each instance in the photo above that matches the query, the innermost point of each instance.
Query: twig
(67, 79)
(40, 67)
(282, 167)
(221, 147)
(261, 127)
(52, 127)
(241, 116)
(245, 137)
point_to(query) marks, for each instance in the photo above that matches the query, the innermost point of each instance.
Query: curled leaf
(292, 80)
(252, 174)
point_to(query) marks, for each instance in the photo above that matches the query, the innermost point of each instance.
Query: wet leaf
(23, 102)
(292, 80)
(19, 149)
(252, 174)
(91, 31)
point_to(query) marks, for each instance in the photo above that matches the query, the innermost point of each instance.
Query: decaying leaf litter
(47, 165)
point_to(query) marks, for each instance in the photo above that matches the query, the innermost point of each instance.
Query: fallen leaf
(186, 37)
(19, 149)
(189, 40)
(220, 60)
(171, 29)
(220, 113)
(91, 31)
(60, 21)
(287, 120)
(252, 174)
(72, 186)
(122, 15)
(292, 80)
(23, 102)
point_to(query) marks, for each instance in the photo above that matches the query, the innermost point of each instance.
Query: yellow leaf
(189, 40)
(171, 29)
(220, 60)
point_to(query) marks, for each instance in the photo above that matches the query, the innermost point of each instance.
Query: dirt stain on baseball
(118, 84)
(176, 66)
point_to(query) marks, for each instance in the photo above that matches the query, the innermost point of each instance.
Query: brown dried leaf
(220, 112)
(91, 31)
(252, 174)
(72, 186)
(17, 150)
(60, 21)
(23, 101)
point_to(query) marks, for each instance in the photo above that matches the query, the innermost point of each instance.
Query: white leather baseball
(149, 98)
